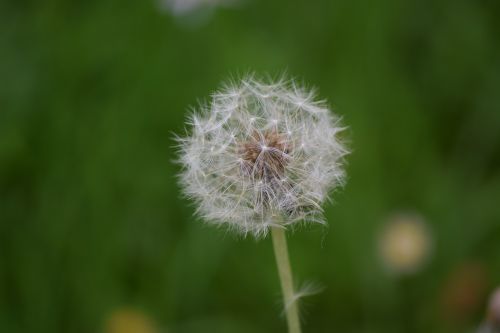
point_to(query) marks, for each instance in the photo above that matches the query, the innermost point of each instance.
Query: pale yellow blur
(404, 243)
(128, 320)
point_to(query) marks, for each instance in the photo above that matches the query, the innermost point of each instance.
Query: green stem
(285, 273)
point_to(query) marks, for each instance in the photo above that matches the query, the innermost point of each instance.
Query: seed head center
(266, 155)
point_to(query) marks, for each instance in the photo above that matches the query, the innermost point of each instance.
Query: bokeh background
(94, 236)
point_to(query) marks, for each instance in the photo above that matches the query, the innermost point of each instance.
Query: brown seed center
(265, 155)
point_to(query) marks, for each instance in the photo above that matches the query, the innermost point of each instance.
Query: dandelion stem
(285, 273)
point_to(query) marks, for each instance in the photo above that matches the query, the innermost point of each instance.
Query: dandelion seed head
(262, 154)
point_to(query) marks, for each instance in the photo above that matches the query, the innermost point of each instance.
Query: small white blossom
(261, 155)
(405, 243)
(185, 7)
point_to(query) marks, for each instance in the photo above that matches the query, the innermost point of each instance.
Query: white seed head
(260, 155)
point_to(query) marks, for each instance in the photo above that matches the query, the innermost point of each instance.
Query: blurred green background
(92, 226)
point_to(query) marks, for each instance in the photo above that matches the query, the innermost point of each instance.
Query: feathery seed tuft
(262, 155)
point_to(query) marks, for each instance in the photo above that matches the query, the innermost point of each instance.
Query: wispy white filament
(260, 155)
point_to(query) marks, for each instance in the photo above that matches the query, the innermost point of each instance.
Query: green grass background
(91, 219)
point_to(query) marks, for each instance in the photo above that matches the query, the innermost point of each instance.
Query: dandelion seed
(267, 156)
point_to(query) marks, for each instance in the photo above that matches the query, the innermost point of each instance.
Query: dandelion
(494, 310)
(185, 7)
(492, 322)
(129, 320)
(263, 157)
(404, 243)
